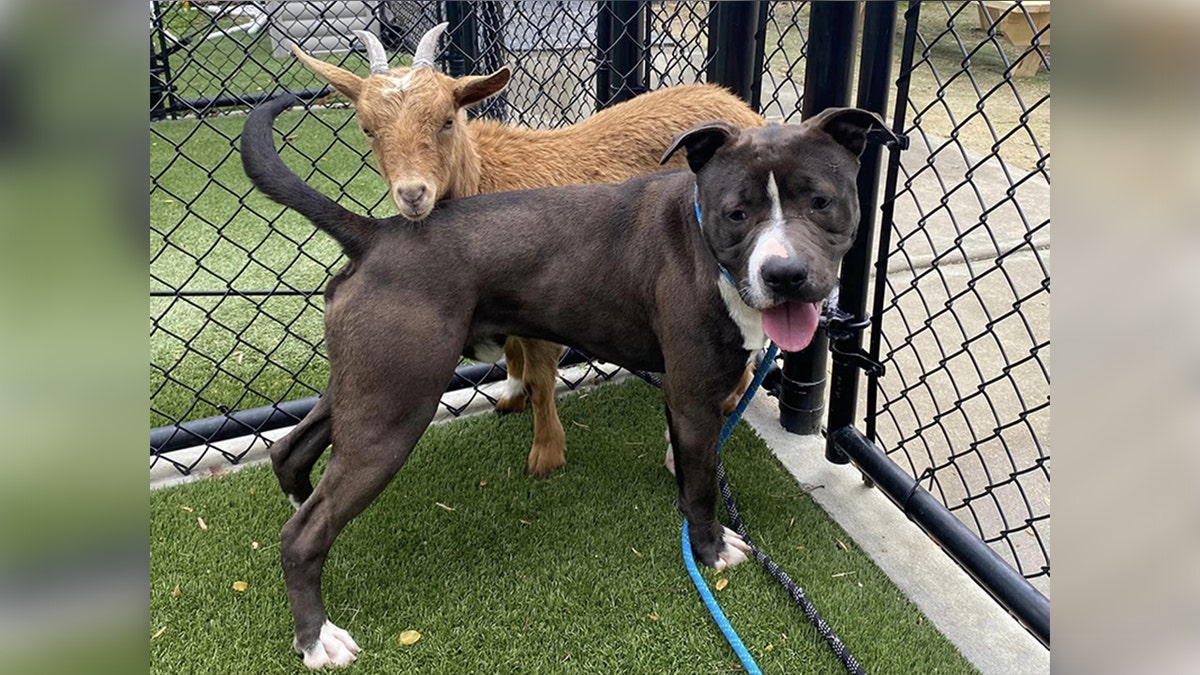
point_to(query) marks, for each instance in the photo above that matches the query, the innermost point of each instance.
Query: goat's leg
(541, 376)
(294, 455)
(513, 398)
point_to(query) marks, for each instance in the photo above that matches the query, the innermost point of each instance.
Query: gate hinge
(887, 137)
(841, 327)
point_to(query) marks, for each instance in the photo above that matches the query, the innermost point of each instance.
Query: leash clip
(841, 327)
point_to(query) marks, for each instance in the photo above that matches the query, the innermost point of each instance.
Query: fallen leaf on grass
(176, 593)
(409, 637)
(483, 483)
(254, 546)
(443, 506)
(721, 584)
(635, 551)
(201, 523)
(580, 425)
(842, 545)
(186, 508)
(841, 574)
(769, 647)
(158, 633)
(523, 521)
(240, 586)
(653, 616)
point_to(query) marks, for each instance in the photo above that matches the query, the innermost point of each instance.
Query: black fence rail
(952, 266)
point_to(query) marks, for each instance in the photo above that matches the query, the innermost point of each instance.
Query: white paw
(735, 551)
(669, 460)
(334, 647)
(296, 503)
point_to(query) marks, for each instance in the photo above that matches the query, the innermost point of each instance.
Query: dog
(684, 272)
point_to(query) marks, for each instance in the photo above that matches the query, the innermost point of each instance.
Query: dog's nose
(784, 276)
(410, 195)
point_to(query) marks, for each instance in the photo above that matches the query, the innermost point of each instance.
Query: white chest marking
(748, 319)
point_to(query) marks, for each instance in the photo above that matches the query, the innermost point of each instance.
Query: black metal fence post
(463, 32)
(827, 75)
(874, 82)
(733, 46)
(620, 32)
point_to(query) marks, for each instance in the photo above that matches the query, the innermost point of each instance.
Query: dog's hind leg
(514, 395)
(548, 453)
(373, 436)
(294, 455)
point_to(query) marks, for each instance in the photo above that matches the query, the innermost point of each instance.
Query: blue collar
(700, 223)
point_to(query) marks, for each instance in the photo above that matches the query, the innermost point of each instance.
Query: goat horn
(427, 48)
(375, 52)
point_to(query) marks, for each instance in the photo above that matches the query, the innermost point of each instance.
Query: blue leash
(689, 560)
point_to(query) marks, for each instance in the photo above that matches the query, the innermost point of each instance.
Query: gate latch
(841, 328)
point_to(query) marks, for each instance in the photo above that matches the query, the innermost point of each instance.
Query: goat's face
(415, 120)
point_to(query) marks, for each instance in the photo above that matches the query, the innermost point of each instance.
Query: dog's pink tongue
(791, 325)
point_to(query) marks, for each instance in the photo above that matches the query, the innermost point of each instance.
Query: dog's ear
(702, 142)
(847, 126)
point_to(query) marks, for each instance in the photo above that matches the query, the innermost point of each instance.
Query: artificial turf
(211, 231)
(499, 572)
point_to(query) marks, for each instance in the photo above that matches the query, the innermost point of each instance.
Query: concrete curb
(982, 630)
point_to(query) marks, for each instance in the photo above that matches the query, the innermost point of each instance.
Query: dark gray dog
(627, 273)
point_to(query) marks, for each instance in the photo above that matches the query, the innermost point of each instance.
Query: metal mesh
(235, 301)
(965, 404)
(785, 44)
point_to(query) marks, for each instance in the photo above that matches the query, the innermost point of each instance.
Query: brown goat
(427, 150)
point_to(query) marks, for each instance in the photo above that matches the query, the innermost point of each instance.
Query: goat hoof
(543, 461)
(506, 406)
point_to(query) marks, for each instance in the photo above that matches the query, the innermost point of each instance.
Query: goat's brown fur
(426, 151)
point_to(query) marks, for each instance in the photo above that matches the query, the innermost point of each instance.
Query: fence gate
(955, 417)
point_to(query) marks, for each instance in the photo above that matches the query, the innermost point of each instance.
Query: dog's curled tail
(269, 174)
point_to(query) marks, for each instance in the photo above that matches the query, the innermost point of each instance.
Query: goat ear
(702, 142)
(472, 89)
(847, 126)
(346, 82)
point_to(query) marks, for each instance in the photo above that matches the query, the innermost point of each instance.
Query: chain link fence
(963, 310)
(235, 300)
(962, 301)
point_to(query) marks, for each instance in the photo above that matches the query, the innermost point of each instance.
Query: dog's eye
(368, 133)
(736, 215)
(821, 203)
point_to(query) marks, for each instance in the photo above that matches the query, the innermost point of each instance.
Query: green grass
(570, 589)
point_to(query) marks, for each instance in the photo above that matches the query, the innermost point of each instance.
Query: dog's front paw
(735, 552)
(334, 648)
